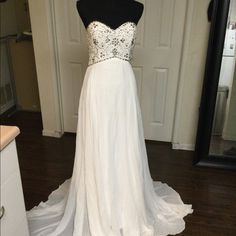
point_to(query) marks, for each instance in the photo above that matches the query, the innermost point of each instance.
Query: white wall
(232, 10)
(45, 66)
(192, 75)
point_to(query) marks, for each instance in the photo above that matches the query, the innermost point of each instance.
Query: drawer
(13, 201)
(9, 161)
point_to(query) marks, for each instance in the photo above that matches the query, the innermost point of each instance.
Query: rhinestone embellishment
(105, 43)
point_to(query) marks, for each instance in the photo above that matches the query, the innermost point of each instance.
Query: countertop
(7, 134)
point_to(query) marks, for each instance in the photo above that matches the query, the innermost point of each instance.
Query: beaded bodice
(105, 42)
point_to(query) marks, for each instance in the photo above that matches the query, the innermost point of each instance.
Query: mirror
(216, 133)
(223, 135)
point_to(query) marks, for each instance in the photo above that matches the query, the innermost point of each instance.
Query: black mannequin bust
(113, 13)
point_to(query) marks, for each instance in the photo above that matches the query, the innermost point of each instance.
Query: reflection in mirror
(223, 136)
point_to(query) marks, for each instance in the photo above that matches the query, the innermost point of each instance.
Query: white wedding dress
(111, 192)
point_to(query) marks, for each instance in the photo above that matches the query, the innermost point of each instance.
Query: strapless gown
(110, 192)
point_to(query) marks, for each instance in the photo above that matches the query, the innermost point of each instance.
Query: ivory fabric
(110, 192)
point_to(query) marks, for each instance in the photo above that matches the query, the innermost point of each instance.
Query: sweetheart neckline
(126, 22)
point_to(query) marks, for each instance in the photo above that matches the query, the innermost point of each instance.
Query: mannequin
(113, 13)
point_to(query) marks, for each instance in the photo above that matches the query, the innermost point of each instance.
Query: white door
(156, 62)
(73, 56)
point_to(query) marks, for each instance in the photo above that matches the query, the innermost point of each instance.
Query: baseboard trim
(52, 133)
(183, 146)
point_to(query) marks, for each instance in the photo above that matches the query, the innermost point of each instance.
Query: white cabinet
(13, 215)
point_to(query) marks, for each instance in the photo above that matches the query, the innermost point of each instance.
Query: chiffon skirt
(110, 192)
